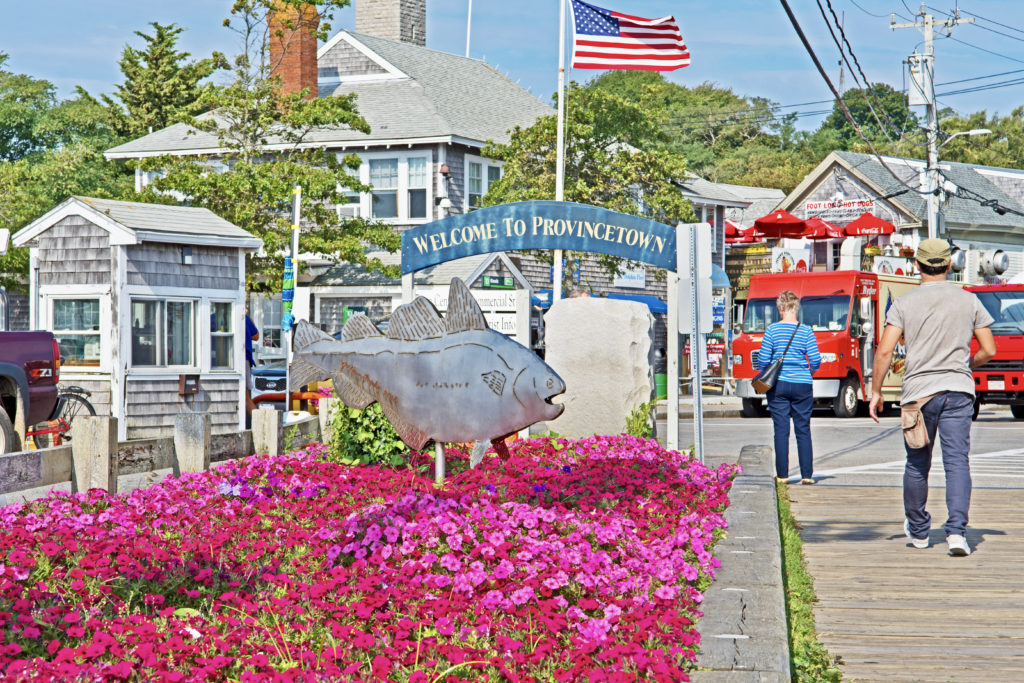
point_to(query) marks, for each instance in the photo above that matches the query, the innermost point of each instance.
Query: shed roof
(417, 94)
(136, 222)
(354, 275)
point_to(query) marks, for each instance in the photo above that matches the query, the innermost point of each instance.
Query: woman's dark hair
(932, 270)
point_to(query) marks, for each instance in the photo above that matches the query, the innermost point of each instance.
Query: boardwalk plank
(895, 613)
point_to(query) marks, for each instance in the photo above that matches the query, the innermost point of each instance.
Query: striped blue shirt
(801, 360)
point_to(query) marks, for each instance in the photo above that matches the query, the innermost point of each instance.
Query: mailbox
(188, 385)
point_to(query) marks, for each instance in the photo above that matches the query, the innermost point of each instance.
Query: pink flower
(445, 626)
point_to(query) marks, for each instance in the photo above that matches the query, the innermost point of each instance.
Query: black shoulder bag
(767, 378)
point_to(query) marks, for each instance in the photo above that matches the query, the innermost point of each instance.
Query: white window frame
(231, 334)
(51, 294)
(485, 182)
(199, 358)
(366, 199)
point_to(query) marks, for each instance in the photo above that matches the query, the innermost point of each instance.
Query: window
(76, 324)
(271, 310)
(384, 179)
(221, 337)
(162, 333)
(480, 175)
(417, 187)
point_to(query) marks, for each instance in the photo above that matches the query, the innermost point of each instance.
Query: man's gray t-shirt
(938, 320)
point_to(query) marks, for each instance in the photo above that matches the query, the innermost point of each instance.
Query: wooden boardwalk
(896, 613)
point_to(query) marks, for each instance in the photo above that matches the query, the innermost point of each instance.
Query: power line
(992, 21)
(984, 28)
(877, 16)
(981, 78)
(839, 99)
(991, 52)
(980, 88)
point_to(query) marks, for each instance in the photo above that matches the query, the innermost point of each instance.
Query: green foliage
(48, 151)
(160, 85)
(640, 422)
(613, 159)
(894, 118)
(365, 437)
(252, 184)
(809, 660)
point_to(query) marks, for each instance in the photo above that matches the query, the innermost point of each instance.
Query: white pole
(439, 463)
(556, 278)
(696, 357)
(288, 336)
(672, 365)
(469, 21)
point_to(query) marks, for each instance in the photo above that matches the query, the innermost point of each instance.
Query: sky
(748, 46)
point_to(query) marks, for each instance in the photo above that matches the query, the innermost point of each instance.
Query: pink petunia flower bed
(571, 561)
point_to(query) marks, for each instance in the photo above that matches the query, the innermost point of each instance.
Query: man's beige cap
(933, 252)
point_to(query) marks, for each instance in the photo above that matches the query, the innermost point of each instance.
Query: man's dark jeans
(948, 414)
(792, 400)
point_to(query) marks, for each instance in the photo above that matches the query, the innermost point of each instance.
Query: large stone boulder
(602, 349)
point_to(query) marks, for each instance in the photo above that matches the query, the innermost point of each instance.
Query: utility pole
(922, 91)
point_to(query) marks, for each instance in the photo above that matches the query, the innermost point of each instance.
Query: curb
(744, 633)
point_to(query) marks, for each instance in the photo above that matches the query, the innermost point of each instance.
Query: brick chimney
(293, 52)
(404, 20)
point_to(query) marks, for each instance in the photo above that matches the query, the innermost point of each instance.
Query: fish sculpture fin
(350, 394)
(500, 448)
(495, 380)
(479, 450)
(359, 327)
(415, 321)
(303, 372)
(464, 312)
(306, 334)
(413, 436)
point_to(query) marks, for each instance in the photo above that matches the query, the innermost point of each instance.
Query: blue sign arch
(539, 225)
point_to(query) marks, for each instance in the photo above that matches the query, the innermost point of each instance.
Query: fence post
(94, 453)
(327, 408)
(266, 431)
(191, 443)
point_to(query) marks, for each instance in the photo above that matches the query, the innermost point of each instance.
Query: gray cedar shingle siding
(99, 389)
(74, 251)
(159, 265)
(155, 402)
(345, 60)
(331, 313)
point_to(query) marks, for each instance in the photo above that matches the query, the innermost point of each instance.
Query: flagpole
(556, 279)
(469, 21)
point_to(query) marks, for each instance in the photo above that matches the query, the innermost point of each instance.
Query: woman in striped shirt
(793, 393)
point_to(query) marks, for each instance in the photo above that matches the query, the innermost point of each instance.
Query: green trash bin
(661, 385)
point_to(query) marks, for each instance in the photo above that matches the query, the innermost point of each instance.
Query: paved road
(859, 452)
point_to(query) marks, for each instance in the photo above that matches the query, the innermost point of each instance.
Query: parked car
(29, 371)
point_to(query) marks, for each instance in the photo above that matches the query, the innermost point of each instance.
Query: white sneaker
(917, 542)
(958, 545)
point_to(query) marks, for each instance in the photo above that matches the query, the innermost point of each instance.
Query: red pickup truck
(29, 371)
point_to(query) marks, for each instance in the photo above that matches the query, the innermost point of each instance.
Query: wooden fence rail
(95, 459)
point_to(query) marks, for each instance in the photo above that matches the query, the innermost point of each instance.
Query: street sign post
(695, 312)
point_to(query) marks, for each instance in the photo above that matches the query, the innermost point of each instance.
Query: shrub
(365, 437)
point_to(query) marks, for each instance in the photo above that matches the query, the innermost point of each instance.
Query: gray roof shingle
(164, 218)
(350, 274)
(445, 95)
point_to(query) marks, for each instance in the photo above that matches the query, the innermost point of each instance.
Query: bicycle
(71, 402)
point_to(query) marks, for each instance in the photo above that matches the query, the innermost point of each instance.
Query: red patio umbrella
(780, 223)
(869, 224)
(745, 236)
(732, 228)
(819, 229)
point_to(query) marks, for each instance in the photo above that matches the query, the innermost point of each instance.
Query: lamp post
(933, 175)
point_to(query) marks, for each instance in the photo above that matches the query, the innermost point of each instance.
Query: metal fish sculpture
(441, 379)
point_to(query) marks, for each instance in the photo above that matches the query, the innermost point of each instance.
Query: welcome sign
(539, 225)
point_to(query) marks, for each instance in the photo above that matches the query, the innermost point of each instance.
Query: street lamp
(933, 175)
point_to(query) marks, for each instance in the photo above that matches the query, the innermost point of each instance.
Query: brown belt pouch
(915, 433)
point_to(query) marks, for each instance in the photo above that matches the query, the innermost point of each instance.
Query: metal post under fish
(450, 379)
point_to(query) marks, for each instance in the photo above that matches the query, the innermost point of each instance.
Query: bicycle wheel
(74, 405)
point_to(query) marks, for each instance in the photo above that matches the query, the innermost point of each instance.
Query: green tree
(254, 189)
(881, 112)
(613, 159)
(160, 85)
(23, 101)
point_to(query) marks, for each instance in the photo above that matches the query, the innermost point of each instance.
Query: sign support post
(672, 366)
(696, 349)
(693, 258)
(288, 294)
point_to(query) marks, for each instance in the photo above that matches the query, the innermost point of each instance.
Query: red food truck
(1001, 380)
(846, 310)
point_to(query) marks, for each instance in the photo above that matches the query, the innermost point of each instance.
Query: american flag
(604, 39)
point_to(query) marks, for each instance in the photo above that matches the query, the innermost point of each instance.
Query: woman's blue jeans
(791, 400)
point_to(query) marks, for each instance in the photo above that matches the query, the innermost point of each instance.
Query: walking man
(936, 322)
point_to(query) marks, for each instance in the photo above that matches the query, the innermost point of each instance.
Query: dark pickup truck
(29, 370)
